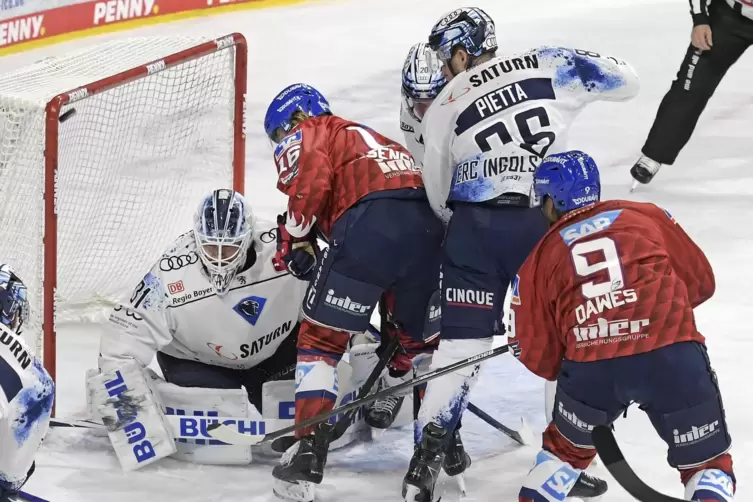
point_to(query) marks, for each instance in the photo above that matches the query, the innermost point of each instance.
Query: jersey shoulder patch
(589, 226)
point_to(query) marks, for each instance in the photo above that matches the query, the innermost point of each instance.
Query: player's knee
(695, 435)
(576, 420)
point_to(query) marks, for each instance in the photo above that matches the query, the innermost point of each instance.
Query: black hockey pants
(697, 79)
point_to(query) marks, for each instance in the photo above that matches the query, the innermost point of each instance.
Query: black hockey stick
(229, 436)
(615, 462)
(524, 439)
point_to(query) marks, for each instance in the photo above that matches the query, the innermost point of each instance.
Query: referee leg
(696, 81)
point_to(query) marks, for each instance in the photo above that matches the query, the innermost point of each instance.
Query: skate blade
(460, 479)
(301, 491)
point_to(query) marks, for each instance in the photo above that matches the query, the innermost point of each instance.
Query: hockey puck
(66, 115)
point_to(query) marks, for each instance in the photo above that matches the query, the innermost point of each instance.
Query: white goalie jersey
(490, 126)
(174, 310)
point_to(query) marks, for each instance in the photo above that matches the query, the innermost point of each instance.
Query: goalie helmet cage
(111, 170)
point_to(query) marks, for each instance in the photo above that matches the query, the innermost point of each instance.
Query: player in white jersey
(422, 82)
(218, 317)
(484, 136)
(26, 390)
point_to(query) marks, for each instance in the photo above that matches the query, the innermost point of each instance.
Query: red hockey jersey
(615, 279)
(327, 164)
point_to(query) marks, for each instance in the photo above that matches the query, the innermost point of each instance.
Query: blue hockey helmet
(14, 301)
(296, 97)
(467, 27)
(223, 230)
(422, 79)
(570, 179)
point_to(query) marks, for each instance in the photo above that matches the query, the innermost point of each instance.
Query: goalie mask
(223, 228)
(14, 302)
(422, 80)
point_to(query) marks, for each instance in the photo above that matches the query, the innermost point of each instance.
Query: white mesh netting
(134, 162)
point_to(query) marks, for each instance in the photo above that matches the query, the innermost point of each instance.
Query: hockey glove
(295, 254)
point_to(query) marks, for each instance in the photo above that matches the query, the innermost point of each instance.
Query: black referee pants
(699, 75)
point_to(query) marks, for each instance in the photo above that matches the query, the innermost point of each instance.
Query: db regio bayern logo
(177, 262)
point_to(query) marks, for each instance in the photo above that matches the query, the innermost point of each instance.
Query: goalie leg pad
(132, 415)
(202, 402)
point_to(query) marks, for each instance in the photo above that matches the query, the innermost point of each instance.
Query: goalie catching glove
(295, 254)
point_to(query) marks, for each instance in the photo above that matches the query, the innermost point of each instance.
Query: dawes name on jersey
(175, 310)
(490, 126)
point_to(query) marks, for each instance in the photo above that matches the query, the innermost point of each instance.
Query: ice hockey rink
(353, 50)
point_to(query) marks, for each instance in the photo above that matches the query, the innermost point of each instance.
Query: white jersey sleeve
(26, 397)
(490, 126)
(174, 310)
(412, 131)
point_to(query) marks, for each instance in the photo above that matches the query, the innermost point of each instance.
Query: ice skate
(382, 412)
(643, 171)
(588, 487)
(418, 484)
(302, 466)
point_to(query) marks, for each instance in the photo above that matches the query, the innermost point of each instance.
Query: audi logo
(178, 262)
(268, 236)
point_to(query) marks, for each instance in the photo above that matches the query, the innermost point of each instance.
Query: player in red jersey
(604, 305)
(363, 193)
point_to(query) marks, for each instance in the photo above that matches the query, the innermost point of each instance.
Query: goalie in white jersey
(26, 390)
(484, 136)
(218, 317)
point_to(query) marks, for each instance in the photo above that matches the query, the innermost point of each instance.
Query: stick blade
(227, 435)
(610, 453)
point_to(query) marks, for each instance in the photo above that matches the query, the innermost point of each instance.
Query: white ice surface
(353, 52)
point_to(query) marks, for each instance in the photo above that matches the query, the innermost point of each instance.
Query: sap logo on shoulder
(250, 308)
(515, 299)
(589, 226)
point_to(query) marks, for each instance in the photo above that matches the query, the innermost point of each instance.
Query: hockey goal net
(104, 156)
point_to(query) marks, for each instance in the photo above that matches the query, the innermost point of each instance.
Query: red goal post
(126, 158)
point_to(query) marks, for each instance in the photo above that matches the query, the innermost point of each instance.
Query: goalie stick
(227, 435)
(615, 462)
